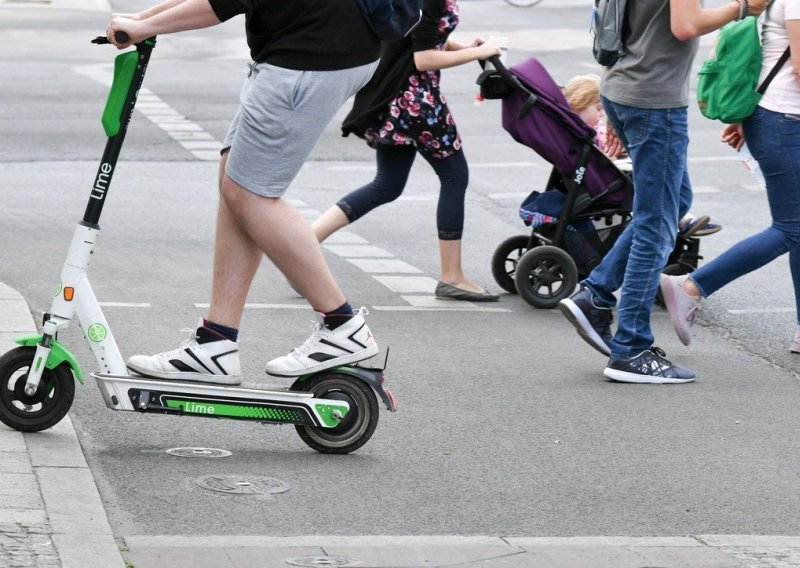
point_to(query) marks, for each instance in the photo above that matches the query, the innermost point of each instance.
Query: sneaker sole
(226, 380)
(344, 360)
(699, 224)
(707, 231)
(626, 377)
(685, 336)
(574, 314)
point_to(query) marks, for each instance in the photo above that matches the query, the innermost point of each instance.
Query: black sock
(229, 333)
(339, 316)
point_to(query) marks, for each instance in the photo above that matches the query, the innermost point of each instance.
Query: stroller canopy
(558, 135)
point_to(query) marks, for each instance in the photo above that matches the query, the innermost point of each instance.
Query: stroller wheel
(545, 276)
(505, 260)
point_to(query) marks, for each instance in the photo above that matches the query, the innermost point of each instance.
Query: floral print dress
(419, 115)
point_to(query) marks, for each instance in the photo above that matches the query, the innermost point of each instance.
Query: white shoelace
(192, 334)
(309, 343)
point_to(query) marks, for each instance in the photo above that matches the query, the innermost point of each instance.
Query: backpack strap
(781, 62)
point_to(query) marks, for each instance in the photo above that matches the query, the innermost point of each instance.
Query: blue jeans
(774, 140)
(657, 141)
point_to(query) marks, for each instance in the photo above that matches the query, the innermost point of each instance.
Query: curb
(58, 488)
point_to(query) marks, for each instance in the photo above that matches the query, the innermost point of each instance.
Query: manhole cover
(314, 561)
(242, 485)
(198, 452)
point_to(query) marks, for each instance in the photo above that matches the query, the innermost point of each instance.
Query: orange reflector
(69, 293)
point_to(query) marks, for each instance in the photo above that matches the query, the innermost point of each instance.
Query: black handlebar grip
(121, 37)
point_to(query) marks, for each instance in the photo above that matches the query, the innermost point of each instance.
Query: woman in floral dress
(402, 112)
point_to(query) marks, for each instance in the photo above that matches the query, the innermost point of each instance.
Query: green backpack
(726, 83)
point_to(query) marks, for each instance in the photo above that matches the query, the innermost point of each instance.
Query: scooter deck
(260, 403)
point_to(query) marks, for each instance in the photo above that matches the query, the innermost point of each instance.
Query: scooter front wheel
(47, 406)
(358, 425)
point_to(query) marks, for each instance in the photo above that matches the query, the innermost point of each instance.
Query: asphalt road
(506, 425)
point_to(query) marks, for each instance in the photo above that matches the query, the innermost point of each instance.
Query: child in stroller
(587, 200)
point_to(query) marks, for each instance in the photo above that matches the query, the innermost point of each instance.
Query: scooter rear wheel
(47, 406)
(358, 425)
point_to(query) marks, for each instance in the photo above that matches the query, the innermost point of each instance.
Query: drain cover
(242, 485)
(198, 452)
(315, 561)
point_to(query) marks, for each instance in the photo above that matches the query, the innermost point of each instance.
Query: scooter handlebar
(121, 37)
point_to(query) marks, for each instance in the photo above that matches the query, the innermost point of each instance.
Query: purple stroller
(587, 201)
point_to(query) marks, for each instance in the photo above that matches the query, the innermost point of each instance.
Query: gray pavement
(51, 515)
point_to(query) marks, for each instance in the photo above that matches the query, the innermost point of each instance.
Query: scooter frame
(121, 391)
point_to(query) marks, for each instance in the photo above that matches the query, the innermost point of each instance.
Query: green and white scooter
(334, 411)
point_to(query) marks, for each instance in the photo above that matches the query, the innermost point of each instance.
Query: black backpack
(391, 20)
(608, 28)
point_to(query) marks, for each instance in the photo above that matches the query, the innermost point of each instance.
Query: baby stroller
(587, 201)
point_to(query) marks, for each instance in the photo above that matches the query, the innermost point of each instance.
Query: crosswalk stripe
(158, 112)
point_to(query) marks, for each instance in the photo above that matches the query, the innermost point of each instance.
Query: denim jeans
(657, 141)
(774, 140)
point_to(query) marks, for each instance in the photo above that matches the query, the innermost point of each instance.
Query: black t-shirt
(307, 35)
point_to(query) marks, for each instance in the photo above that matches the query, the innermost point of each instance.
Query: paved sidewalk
(50, 510)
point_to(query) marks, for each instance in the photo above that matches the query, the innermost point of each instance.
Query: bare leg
(236, 260)
(278, 230)
(452, 272)
(329, 222)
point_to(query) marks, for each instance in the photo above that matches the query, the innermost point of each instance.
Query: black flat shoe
(446, 291)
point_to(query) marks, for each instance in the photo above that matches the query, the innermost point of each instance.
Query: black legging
(394, 165)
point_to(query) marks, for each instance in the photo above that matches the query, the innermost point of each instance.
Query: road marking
(381, 265)
(469, 308)
(509, 195)
(177, 126)
(762, 311)
(701, 159)
(757, 187)
(704, 189)
(472, 165)
(303, 306)
(408, 284)
(417, 197)
(358, 251)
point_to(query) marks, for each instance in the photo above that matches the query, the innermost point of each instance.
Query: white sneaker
(326, 348)
(205, 357)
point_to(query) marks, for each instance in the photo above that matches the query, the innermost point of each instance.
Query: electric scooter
(334, 411)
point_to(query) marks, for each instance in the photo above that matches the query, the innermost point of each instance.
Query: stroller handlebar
(497, 63)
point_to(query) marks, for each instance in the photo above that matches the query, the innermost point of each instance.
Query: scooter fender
(373, 377)
(58, 354)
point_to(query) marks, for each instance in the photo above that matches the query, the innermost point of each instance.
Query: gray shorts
(282, 114)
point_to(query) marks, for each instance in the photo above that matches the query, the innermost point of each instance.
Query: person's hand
(477, 41)
(133, 28)
(488, 49)
(613, 145)
(755, 7)
(733, 136)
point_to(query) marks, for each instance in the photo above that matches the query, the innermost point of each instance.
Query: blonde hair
(582, 91)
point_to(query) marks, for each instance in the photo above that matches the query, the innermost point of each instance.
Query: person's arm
(178, 17)
(152, 11)
(793, 31)
(688, 19)
(431, 59)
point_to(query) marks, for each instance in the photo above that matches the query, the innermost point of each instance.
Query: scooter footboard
(142, 394)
